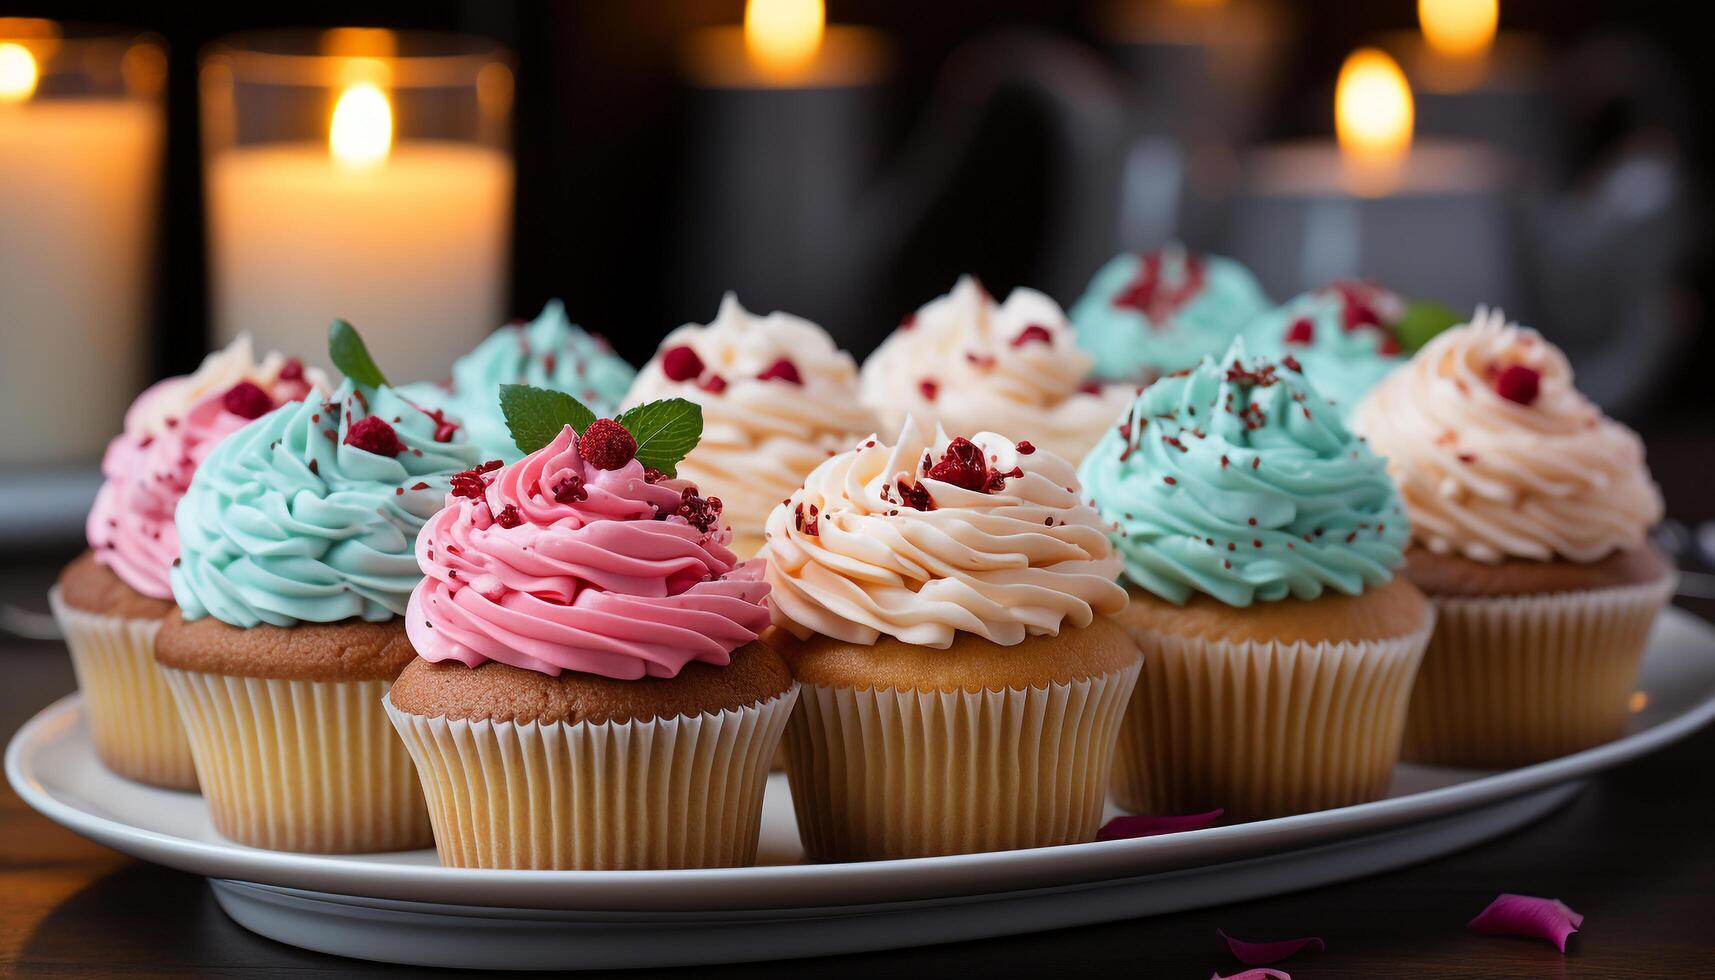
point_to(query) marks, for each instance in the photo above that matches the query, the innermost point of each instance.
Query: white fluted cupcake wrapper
(681, 792)
(1261, 728)
(132, 720)
(1512, 680)
(894, 773)
(301, 765)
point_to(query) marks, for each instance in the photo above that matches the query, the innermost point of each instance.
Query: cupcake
(1343, 335)
(548, 352)
(778, 398)
(1260, 541)
(970, 364)
(591, 693)
(110, 602)
(1146, 314)
(296, 563)
(1530, 514)
(962, 682)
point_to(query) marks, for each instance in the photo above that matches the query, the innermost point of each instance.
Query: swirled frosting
(1146, 314)
(778, 398)
(553, 564)
(1499, 456)
(548, 352)
(168, 430)
(970, 364)
(1236, 479)
(1342, 334)
(288, 521)
(894, 539)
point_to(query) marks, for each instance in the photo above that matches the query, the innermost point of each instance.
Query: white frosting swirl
(969, 363)
(760, 437)
(168, 402)
(848, 558)
(1491, 477)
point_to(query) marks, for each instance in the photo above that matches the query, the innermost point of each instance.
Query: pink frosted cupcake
(110, 601)
(591, 692)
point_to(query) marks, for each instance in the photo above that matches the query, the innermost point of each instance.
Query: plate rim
(798, 885)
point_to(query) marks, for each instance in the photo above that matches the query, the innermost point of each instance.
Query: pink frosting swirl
(557, 565)
(168, 430)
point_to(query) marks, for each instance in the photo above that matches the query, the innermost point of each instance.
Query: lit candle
(1428, 217)
(1472, 79)
(78, 184)
(405, 236)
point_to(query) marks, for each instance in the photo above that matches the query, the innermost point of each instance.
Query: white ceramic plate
(405, 908)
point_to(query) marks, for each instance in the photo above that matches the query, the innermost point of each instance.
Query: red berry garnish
(929, 388)
(961, 465)
(1291, 364)
(703, 513)
(246, 400)
(508, 517)
(1389, 346)
(714, 384)
(909, 321)
(1091, 387)
(1024, 448)
(781, 370)
(374, 435)
(681, 363)
(607, 445)
(470, 483)
(1302, 331)
(915, 496)
(1518, 383)
(292, 370)
(570, 488)
(1036, 333)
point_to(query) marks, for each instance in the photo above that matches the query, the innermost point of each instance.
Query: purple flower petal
(1257, 973)
(1125, 828)
(1523, 915)
(1258, 954)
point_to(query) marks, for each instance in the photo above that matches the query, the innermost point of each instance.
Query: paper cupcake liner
(132, 719)
(1511, 680)
(895, 773)
(300, 765)
(1261, 728)
(681, 792)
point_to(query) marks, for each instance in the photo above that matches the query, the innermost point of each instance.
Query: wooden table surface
(1632, 853)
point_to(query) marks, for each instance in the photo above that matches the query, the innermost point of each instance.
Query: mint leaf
(535, 416)
(666, 431)
(346, 350)
(1423, 319)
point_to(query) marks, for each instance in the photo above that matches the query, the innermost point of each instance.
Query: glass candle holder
(360, 174)
(80, 150)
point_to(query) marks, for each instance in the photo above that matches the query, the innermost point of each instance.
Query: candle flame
(1373, 118)
(783, 36)
(1459, 28)
(18, 72)
(361, 134)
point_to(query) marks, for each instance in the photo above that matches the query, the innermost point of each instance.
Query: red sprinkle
(292, 370)
(680, 363)
(1024, 448)
(714, 384)
(1518, 383)
(1036, 333)
(508, 517)
(781, 370)
(1302, 331)
(1291, 364)
(915, 496)
(607, 445)
(246, 400)
(374, 435)
(929, 388)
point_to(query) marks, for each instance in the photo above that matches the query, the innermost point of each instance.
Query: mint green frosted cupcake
(1150, 313)
(1346, 336)
(548, 352)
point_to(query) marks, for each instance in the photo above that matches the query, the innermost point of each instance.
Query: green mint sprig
(348, 353)
(665, 431)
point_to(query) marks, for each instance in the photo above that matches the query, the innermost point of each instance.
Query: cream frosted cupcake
(549, 352)
(962, 684)
(1148, 313)
(778, 398)
(591, 694)
(1260, 541)
(970, 364)
(296, 564)
(110, 601)
(1530, 516)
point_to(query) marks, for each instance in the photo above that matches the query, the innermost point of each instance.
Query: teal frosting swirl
(286, 523)
(1237, 480)
(548, 352)
(1343, 364)
(1130, 345)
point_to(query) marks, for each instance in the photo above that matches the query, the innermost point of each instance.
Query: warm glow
(362, 129)
(1638, 701)
(1373, 119)
(783, 36)
(18, 72)
(1459, 28)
